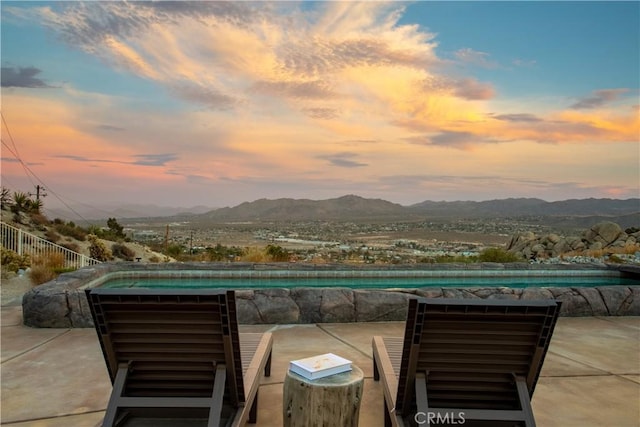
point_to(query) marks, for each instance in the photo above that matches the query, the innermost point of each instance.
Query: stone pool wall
(61, 303)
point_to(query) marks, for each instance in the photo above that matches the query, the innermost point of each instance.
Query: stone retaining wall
(62, 303)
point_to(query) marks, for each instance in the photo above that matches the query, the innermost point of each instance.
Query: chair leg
(215, 410)
(387, 416)
(116, 394)
(253, 412)
(525, 401)
(376, 373)
(267, 366)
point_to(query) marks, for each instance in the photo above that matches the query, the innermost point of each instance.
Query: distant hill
(527, 207)
(353, 208)
(342, 208)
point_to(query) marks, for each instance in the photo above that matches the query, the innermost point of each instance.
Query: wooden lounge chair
(465, 361)
(175, 357)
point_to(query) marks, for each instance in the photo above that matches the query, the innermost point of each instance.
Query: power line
(29, 172)
(17, 156)
(9, 132)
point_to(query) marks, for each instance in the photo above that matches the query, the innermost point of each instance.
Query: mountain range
(354, 208)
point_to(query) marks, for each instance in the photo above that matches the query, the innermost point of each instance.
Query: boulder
(276, 306)
(594, 299)
(458, 293)
(429, 292)
(605, 232)
(337, 305)
(247, 312)
(633, 308)
(559, 248)
(520, 241)
(46, 308)
(535, 293)
(538, 250)
(574, 243)
(79, 310)
(573, 303)
(596, 246)
(379, 306)
(308, 301)
(616, 298)
(553, 238)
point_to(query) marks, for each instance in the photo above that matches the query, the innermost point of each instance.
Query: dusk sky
(214, 103)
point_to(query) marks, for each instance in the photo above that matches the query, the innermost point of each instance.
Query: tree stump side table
(330, 401)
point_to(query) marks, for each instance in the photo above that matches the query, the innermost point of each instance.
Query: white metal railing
(23, 242)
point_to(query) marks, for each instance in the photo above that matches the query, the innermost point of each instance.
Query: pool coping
(62, 302)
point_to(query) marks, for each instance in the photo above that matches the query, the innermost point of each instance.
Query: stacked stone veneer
(62, 303)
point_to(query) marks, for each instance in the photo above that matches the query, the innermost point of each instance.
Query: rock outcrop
(602, 236)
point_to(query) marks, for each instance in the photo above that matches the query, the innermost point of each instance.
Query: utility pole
(166, 241)
(40, 191)
(38, 188)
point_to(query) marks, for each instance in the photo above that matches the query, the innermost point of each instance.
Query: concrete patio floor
(57, 377)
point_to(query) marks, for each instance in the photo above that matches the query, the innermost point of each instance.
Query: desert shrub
(115, 229)
(52, 236)
(175, 250)
(40, 274)
(595, 253)
(71, 246)
(71, 230)
(615, 259)
(277, 253)
(222, 253)
(95, 230)
(114, 232)
(39, 220)
(122, 251)
(47, 267)
(98, 250)
(154, 258)
(442, 259)
(254, 254)
(498, 255)
(11, 261)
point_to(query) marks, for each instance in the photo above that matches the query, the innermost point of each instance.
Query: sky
(216, 103)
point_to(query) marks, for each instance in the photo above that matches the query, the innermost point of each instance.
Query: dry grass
(255, 254)
(45, 267)
(599, 253)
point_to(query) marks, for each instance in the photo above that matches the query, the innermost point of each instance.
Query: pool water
(369, 282)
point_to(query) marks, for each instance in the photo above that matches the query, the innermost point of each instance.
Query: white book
(320, 366)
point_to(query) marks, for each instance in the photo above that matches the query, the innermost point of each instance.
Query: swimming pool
(384, 279)
(369, 282)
